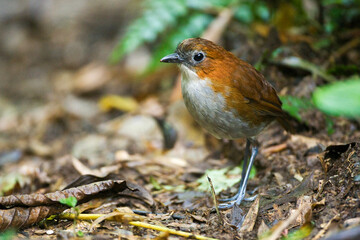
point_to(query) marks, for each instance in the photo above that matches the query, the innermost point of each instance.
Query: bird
(228, 97)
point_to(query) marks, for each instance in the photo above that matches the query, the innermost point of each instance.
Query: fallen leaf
(126, 104)
(19, 211)
(91, 77)
(250, 219)
(262, 229)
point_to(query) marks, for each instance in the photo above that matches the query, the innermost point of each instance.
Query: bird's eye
(198, 57)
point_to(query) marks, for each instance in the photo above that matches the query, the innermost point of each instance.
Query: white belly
(209, 110)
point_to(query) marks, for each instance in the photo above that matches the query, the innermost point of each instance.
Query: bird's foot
(230, 203)
(227, 205)
(237, 196)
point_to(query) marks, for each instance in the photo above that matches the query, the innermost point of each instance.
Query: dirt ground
(55, 127)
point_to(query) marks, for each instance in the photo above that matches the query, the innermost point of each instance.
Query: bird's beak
(172, 58)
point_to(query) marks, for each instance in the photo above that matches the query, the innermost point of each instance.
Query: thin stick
(89, 217)
(171, 231)
(216, 203)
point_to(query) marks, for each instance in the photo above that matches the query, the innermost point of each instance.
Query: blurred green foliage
(249, 11)
(340, 13)
(339, 98)
(193, 26)
(163, 24)
(294, 105)
(222, 179)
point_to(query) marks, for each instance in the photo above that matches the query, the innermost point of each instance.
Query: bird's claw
(233, 198)
(250, 199)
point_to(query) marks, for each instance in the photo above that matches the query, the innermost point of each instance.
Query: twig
(111, 217)
(217, 27)
(274, 149)
(353, 43)
(216, 203)
(171, 231)
(296, 62)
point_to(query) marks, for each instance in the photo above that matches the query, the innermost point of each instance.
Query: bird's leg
(243, 173)
(254, 152)
(244, 177)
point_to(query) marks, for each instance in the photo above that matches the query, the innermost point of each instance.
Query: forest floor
(55, 126)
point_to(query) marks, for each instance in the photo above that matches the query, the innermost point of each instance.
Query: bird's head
(200, 56)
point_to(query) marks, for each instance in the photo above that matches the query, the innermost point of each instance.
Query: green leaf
(222, 179)
(8, 235)
(156, 185)
(300, 233)
(177, 188)
(294, 105)
(70, 201)
(206, 4)
(339, 98)
(158, 15)
(192, 26)
(80, 233)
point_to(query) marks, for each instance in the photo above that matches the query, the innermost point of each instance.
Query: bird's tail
(291, 124)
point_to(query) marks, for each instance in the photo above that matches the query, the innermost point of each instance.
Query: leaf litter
(54, 133)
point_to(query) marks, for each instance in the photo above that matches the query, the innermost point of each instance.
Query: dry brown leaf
(251, 216)
(199, 218)
(279, 179)
(91, 77)
(304, 203)
(262, 228)
(19, 211)
(84, 170)
(132, 190)
(21, 217)
(81, 193)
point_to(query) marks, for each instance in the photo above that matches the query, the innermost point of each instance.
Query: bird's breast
(210, 109)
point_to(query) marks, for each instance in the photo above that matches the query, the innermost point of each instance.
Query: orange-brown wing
(259, 93)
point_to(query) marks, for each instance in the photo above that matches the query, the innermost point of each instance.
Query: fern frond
(206, 4)
(191, 26)
(158, 15)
